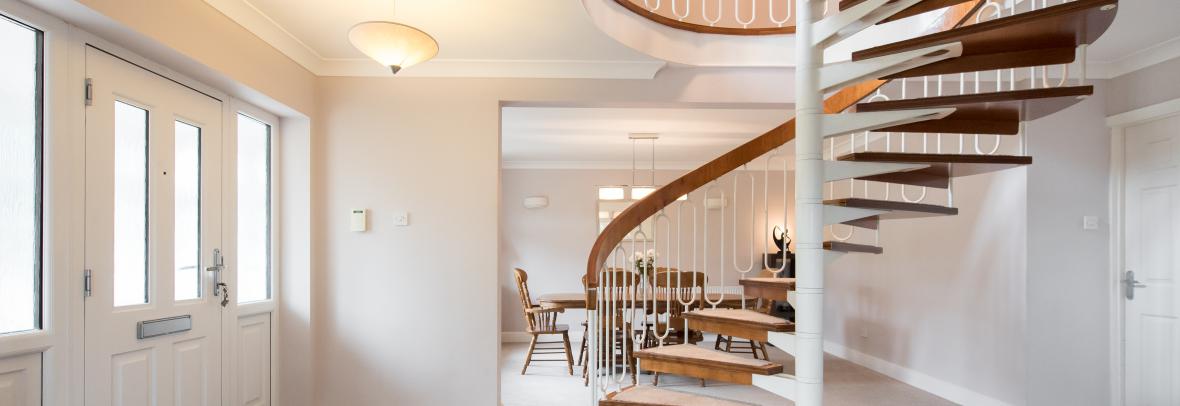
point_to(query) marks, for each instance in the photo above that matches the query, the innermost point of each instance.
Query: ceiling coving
(502, 38)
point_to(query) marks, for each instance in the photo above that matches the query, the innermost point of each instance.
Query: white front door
(153, 333)
(1152, 246)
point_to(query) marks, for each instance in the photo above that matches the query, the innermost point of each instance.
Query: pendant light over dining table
(395, 45)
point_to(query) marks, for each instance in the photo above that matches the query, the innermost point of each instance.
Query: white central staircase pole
(809, 216)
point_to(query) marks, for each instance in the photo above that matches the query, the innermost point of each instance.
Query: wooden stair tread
(906, 157)
(942, 167)
(997, 113)
(893, 206)
(840, 246)
(703, 357)
(651, 396)
(922, 7)
(743, 316)
(768, 288)
(1008, 42)
(779, 283)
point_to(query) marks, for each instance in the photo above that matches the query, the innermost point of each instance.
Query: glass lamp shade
(397, 46)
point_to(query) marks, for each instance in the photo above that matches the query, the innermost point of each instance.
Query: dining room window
(254, 209)
(21, 87)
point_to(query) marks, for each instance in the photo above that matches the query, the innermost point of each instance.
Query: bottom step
(651, 396)
(699, 362)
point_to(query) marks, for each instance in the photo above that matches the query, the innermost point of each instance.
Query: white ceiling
(555, 38)
(550, 38)
(544, 137)
(1144, 33)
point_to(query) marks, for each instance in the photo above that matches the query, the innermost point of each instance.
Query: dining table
(578, 300)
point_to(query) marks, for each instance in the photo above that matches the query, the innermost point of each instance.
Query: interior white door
(153, 220)
(1152, 246)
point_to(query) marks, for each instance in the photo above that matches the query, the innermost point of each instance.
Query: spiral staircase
(967, 38)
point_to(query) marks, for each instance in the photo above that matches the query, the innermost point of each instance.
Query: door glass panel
(187, 177)
(130, 256)
(20, 167)
(253, 210)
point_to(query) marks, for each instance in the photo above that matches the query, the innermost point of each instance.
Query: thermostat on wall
(360, 220)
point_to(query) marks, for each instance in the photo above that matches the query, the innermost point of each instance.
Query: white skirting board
(938, 387)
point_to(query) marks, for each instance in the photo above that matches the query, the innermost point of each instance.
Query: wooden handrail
(703, 29)
(640, 211)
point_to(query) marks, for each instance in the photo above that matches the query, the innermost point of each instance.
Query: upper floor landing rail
(724, 17)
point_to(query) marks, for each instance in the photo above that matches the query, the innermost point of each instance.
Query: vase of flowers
(645, 261)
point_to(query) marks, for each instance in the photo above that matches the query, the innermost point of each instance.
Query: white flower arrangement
(645, 261)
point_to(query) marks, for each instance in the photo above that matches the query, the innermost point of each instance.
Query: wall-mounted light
(536, 202)
(397, 46)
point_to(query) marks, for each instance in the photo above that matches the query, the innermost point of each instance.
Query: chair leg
(569, 355)
(728, 343)
(582, 350)
(656, 380)
(634, 367)
(529, 358)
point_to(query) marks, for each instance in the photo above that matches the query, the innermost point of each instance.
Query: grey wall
(945, 303)
(1067, 342)
(1143, 88)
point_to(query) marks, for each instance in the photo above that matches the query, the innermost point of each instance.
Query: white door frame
(1118, 124)
(59, 341)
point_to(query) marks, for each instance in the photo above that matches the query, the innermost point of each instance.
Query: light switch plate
(1089, 222)
(401, 219)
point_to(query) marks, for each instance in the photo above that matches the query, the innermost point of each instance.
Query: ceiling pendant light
(397, 46)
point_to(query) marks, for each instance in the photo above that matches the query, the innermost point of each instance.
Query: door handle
(216, 268)
(1131, 284)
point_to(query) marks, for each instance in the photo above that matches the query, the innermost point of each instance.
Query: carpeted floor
(548, 384)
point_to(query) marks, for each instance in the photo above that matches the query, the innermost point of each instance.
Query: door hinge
(89, 91)
(86, 287)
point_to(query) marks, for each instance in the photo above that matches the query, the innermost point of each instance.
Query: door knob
(218, 266)
(1130, 285)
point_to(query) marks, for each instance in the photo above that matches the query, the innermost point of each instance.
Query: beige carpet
(548, 384)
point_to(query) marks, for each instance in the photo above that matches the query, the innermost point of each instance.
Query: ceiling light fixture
(397, 46)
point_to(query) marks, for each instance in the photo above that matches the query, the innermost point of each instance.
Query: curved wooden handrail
(640, 211)
(703, 29)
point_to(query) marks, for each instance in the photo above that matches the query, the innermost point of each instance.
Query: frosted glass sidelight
(253, 210)
(187, 216)
(130, 239)
(20, 175)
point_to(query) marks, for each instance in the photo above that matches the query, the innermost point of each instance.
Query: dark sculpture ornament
(781, 239)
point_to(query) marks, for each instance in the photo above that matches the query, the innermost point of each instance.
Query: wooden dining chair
(750, 346)
(677, 285)
(542, 321)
